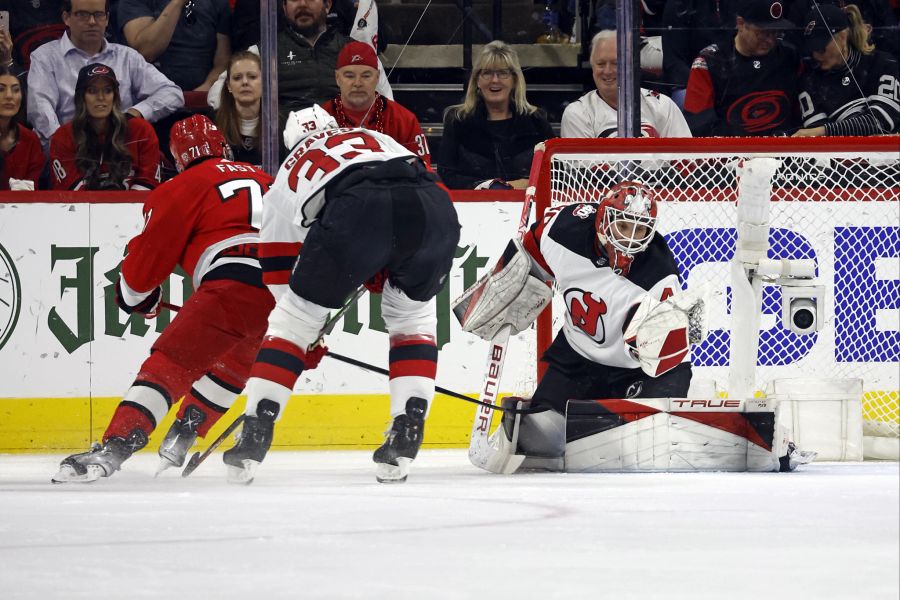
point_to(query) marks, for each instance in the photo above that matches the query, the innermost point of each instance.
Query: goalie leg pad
(663, 435)
(512, 295)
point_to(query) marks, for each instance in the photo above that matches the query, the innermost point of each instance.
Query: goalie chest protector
(597, 300)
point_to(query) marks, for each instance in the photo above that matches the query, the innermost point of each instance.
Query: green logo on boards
(10, 296)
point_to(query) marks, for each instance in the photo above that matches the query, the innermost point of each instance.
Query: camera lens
(804, 318)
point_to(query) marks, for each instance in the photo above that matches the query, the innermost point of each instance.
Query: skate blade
(245, 475)
(388, 473)
(67, 474)
(164, 465)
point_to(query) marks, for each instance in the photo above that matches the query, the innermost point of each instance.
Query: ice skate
(253, 444)
(395, 456)
(100, 460)
(179, 439)
(795, 457)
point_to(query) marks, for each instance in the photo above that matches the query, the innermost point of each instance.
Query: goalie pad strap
(508, 296)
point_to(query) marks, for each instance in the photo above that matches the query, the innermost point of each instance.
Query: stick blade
(192, 464)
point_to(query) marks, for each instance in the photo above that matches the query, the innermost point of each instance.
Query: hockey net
(834, 200)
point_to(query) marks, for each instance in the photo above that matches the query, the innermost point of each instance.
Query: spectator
(307, 55)
(357, 77)
(240, 104)
(489, 139)
(189, 40)
(144, 91)
(32, 23)
(21, 157)
(595, 115)
(881, 25)
(749, 86)
(854, 88)
(307, 51)
(689, 26)
(6, 50)
(102, 149)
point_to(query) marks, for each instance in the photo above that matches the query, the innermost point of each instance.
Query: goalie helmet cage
(833, 200)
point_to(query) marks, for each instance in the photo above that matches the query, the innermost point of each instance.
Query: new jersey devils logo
(586, 313)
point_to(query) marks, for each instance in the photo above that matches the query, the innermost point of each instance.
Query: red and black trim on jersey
(413, 356)
(277, 260)
(279, 361)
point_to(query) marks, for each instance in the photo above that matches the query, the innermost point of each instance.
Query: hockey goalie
(627, 335)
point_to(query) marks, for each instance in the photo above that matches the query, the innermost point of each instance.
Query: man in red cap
(360, 105)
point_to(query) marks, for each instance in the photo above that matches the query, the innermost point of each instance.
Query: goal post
(833, 204)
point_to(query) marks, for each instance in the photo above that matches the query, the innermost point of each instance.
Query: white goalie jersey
(598, 302)
(297, 197)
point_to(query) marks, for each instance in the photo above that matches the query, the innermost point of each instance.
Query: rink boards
(67, 352)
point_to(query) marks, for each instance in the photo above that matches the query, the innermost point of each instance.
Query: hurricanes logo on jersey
(586, 313)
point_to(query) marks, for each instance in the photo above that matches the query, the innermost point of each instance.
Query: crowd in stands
(90, 88)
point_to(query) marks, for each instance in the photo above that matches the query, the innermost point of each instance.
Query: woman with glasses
(102, 149)
(489, 139)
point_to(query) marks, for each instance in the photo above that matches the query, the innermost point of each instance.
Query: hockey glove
(313, 355)
(376, 283)
(149, 306)
(493, 184)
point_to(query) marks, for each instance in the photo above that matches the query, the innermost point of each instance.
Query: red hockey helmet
(194, 138)
(626, 222)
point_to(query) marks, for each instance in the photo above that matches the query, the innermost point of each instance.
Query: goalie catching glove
(660, 334)
(510, 295)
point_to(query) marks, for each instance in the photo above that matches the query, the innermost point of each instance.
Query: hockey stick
(197, 458)
(437, 388)
(481, 453)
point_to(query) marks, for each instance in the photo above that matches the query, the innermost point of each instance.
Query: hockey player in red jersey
(614, 272)
(205, 220)
(348, 207)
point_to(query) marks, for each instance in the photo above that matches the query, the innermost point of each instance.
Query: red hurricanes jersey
(141, 142)
(206, 217)
(399, 123)
(26, 159)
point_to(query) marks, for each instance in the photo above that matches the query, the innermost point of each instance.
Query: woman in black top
(854, 88)
(489, 139)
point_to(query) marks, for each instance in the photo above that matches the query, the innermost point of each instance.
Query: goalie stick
(197, 458)
(482, 453)
(437, 388)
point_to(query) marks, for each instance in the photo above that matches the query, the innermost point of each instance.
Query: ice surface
(317, 525)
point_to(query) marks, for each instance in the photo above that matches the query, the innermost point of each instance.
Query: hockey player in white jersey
(625, 335)
(349, 207)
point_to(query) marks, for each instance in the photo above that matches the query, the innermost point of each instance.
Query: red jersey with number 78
(203, 219)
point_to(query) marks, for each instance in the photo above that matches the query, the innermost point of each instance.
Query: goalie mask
(626, 221)
(301, 123)
(194, 138)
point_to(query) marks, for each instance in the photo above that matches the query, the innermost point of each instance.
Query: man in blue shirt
(54, 69)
